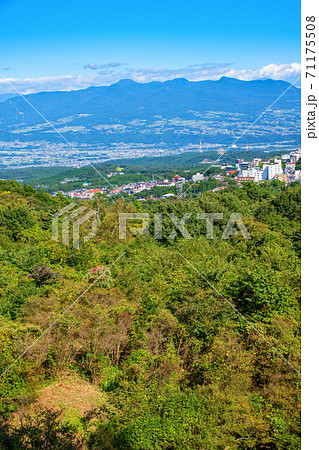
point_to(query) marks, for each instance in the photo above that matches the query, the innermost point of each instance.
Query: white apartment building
(259, 175)
(256, 173)
(198, 177)
(270, 170)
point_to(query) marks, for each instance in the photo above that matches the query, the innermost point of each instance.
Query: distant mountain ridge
(4, 97)
(127, 99)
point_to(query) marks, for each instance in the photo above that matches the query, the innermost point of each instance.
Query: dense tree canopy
(167, 336)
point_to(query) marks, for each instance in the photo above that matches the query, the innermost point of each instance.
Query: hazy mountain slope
(128, 99)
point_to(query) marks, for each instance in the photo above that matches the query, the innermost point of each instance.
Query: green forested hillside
(151, 356)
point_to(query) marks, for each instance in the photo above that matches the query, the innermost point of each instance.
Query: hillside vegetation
(151, 356)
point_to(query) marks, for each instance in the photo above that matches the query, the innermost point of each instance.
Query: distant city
(16, 154)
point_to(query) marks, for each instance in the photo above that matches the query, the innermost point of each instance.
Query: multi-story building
(270, 170)
(241, 179)
(256, 174)
(198, 177)
(243, 165)
(267, 172)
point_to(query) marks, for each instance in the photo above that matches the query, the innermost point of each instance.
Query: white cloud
(197, 72)
(288, 72)
(41, 84)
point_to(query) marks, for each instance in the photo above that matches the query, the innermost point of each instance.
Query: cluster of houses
(113, 174)
(86, 194)
(263, 170)
(135, 188)
(129, 188)
(282, 169)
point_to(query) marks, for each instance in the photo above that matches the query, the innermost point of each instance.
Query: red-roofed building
(94, 191)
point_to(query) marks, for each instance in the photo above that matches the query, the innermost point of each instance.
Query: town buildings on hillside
(257, 170)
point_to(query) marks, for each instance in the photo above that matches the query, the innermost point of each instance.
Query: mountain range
(127, 100)
(133, 120)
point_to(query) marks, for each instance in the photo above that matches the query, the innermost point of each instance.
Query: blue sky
(72, 44)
